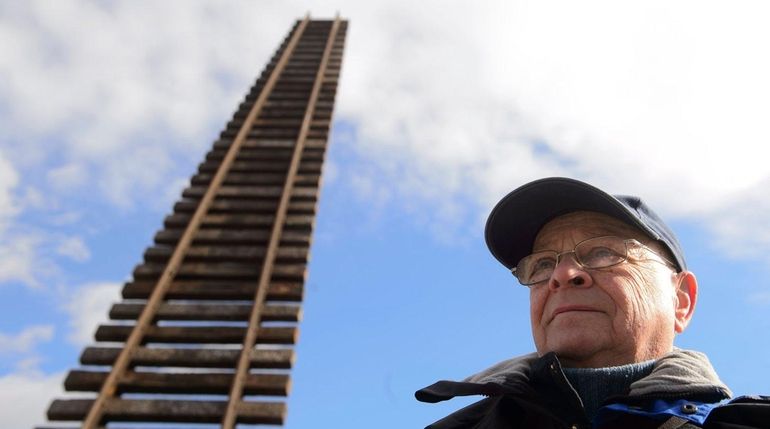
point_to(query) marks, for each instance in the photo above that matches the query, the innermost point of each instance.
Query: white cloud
(9, 179)
(122, 86)
(32, 198)
(74, 248)
(453, 106)
(19, 260)
(739, 224)
(26, 387)
(646, 98)
(26, 340)
(64, 218)
(330, 172)
(30, 255)
(67, 177)
(88, 306)
(30, 392)
(172, 192)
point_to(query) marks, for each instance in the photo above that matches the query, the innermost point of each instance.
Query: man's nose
(568, 272)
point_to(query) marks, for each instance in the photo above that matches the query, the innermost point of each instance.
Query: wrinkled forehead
(577, 226)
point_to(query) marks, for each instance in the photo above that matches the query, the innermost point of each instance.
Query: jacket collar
(679, 373)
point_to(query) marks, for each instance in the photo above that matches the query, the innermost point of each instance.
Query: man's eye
(601, 252)
(543, 264)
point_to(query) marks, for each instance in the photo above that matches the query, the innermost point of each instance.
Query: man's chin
(577, 353)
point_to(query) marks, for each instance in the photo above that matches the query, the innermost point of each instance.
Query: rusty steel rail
(230, 260)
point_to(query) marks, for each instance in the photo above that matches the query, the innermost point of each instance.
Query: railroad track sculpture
(230, 260)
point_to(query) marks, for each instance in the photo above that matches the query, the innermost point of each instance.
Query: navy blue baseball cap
(515, 221)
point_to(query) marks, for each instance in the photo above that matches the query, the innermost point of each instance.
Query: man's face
(602, 317)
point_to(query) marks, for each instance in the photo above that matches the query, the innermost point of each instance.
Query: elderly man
(609, 291)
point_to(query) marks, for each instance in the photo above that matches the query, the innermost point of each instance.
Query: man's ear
(686, 296)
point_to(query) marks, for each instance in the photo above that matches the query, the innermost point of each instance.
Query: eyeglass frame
(626, 241)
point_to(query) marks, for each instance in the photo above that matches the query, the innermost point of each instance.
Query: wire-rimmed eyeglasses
(593, 253)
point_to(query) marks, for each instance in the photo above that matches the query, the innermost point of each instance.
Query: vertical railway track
(216, 302)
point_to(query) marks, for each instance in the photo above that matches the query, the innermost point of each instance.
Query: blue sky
(107, 107)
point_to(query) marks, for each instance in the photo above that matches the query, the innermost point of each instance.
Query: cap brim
(515, 221)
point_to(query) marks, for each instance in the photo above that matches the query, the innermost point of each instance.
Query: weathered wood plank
(291, 122)
(233, 252)
(208, 312)
(198, 358)
(255, 179)
(198, 334)
(168, 411)
(224, 236)
(224, 270)
(257, 166)
(245, 190)
(238, 220)
(203, 289)
(235, 205)
(290, 103)
(255, 155)
(184, 383)
(244, 166)
(236, 191)
(250, 191)
(220, 270)
(263, 143)
(286, 143)
(260, 154)
(180, 220)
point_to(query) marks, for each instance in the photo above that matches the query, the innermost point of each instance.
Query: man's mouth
(572, 308)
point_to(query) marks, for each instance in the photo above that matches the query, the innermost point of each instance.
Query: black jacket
(683, 391)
